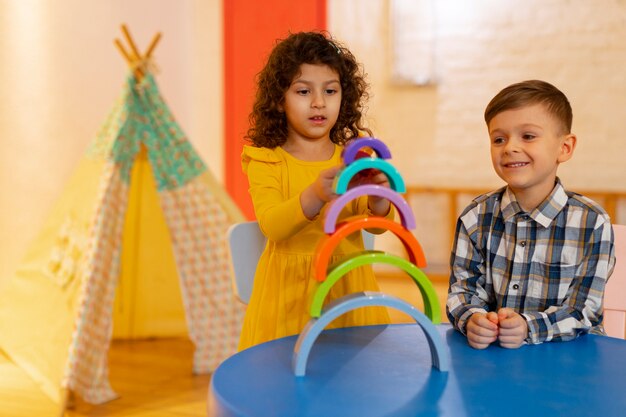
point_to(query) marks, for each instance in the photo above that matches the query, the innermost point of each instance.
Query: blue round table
(386, 371)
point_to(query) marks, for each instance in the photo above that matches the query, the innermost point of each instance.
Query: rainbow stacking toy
(329, 275)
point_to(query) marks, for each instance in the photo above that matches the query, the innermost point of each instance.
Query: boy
(530, 261)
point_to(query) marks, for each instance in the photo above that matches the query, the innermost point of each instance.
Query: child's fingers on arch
(330, 173)
(356, 181)
(379, 177)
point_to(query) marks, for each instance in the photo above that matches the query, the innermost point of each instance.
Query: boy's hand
(513, 328)
(481, 330)
(492, 316)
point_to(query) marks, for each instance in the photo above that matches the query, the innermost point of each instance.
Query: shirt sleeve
(279, 217)
(469, 291)
(582, 308)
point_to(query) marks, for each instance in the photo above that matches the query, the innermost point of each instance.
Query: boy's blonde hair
(527, 93)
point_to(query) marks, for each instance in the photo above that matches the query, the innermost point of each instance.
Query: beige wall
(438, 133)
(59, 76)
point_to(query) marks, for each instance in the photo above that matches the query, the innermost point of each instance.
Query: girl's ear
(568, 145)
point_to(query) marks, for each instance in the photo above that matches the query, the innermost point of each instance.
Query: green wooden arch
(429, 296)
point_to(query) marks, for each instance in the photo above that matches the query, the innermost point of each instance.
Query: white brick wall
(437, 133)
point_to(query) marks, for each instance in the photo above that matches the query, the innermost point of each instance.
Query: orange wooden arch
(328, 244)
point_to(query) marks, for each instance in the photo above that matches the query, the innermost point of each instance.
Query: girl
(308, 104)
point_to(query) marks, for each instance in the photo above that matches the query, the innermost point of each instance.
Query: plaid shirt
(550, 265)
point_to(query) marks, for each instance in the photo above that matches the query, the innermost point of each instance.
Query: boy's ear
(568, 145)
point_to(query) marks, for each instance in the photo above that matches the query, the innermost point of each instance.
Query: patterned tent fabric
(85, 267)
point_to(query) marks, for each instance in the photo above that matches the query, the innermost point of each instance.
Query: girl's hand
(378, 205)
(319, 193)
(323, 185)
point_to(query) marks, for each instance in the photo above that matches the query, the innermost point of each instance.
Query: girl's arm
(316, 195)
(280, 218)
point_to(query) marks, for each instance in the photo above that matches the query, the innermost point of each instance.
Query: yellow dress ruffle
(284, 284)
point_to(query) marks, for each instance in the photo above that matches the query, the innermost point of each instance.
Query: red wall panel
(251, 28)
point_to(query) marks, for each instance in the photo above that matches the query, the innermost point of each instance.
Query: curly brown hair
(268, 124)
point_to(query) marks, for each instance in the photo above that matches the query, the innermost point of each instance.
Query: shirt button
(526, 217)
(523, 243)
(516, 287)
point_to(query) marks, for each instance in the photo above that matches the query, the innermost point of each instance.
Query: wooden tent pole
(137, 71)
(129, 39)
(123, 51)
(153, 45)
(134, 58)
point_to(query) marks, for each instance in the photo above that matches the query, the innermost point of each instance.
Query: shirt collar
(544, 213)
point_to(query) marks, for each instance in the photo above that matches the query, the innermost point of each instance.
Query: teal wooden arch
(345, 176)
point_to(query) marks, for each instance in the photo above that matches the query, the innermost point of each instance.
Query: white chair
(246, 243)
(615, 292)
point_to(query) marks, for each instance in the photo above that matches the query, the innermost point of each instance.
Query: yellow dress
(284, 282)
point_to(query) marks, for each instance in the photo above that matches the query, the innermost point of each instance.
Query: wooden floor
(153, 377)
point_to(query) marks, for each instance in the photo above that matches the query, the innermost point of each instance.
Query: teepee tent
(143, 216)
